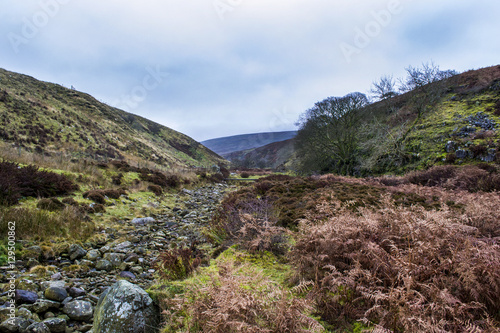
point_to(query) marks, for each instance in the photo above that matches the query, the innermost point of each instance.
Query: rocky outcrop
(126, 307)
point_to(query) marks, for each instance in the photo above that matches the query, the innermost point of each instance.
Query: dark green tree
(328, 136)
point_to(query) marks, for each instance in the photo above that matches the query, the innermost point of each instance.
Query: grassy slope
(51, 118)
(231, 144)
(465, 95)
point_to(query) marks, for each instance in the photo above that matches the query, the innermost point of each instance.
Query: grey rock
(56, 277)
(25, 297)
(25, 313)
(76, 292)
(104, 249)
(37, 328)
(75, 251)
(123, 246)
(57, 294)
(125, 307)
(56, 325)
(127, 275)
(103, 265)
(143, 220)
(79, 310)
(461, 153)
(47, 284)
(451, 146)
(13, 325)
(93, 255)
(114, 258)
(42, 305)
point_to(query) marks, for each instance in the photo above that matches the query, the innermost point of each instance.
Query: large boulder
(125, 307)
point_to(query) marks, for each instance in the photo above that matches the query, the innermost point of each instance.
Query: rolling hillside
(226, 145)
(50, 119)
(275, 155)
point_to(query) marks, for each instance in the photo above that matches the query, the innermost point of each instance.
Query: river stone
(93, 255)
(76, 292)
(37, 328)
(15, 324)
(42, 305)
(123, 246)
(125, 307)
(76, 252)
(114, 258)
(57, 294)
(47, 284)
(25, 297)
(55, 325)
(79, 310)
(103, 265)
(143, 220)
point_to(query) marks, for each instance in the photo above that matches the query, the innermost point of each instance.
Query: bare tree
(384, 88)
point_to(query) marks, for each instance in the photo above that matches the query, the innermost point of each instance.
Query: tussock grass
(36, 224)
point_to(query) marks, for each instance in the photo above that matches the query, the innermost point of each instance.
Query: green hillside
(51, 119)
(460, 126)
(450, 120)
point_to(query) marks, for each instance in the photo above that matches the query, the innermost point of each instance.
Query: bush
(29, 181)
(95, 195)
(244, 175)
(50, 204)
(157, 190)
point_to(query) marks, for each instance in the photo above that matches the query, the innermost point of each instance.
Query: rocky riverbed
(61, 295)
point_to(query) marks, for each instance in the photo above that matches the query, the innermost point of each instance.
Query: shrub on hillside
(95, 195)
(50, 204)
(245, 175)
(29, 181)
(470, 178)
(157, 190)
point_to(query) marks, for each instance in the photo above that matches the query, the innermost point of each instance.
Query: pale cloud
(232, 67)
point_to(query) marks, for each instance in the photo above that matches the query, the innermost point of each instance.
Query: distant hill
(226, 145)
(51, 119)
(275, 155)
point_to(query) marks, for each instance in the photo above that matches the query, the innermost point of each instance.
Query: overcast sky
(213, 68)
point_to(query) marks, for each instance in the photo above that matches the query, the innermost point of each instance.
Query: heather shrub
(403, 268)
(50, 204)
(157, 190)
(238, 299)
(244, 175)
(435, 176)
(29, 181)
(114, 193)
(95, 195)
